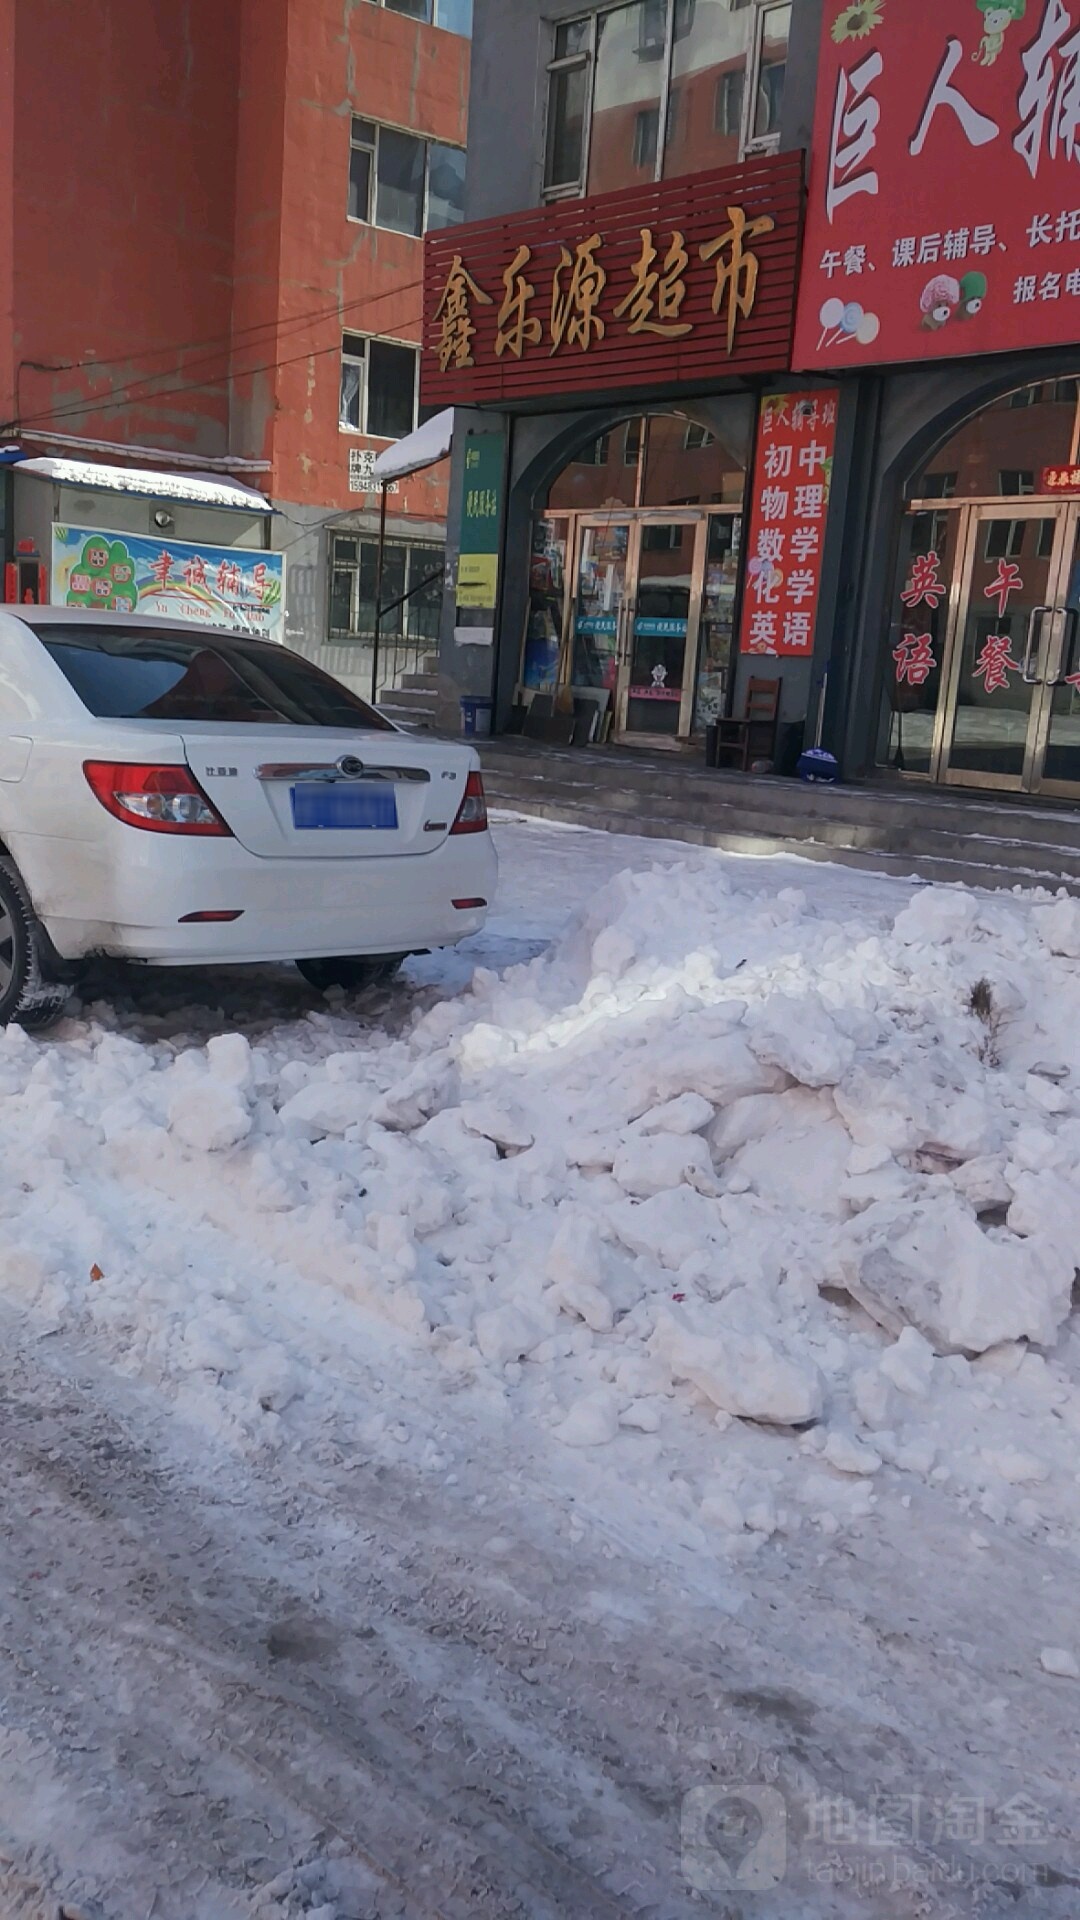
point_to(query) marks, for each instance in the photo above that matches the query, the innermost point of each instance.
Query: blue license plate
(331, 807)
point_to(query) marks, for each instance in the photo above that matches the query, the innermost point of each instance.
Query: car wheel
(28, 995)
(350, 972)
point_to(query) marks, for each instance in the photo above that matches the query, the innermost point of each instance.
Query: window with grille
(413, 568)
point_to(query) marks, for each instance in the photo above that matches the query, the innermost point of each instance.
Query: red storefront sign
(674, 284)
(1060, 480)
(944, 196)
(788, 511)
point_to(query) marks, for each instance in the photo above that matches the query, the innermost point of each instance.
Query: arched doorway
(633, 573)
(982, 675)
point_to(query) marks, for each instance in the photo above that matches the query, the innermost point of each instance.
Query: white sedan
(186, 796)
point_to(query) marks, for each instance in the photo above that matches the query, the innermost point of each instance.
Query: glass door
(1007, 624)
(599, 612)
(1056, 760)
(716, 653)
(656, 679)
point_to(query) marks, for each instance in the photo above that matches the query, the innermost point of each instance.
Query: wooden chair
(740, 742)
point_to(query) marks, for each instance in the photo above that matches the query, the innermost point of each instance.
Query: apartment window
(378, 387)
(661, 536)
(400, 181)
(454, 15)
(1015, 480)
(568, 88)
(727, 117)
(1004, 539)
(770, 69)
(596, 453)
(363, 145)
(696, 437)
(646, 136)
(644, 52)
(652, 41)
(411, 567)
(647, 133)
(938, 486)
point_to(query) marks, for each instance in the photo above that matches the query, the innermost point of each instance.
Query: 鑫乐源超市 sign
(675, 282)
(943, 213)
(789, 506)
(239, 587)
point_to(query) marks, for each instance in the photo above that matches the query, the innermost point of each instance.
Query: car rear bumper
(134, 906)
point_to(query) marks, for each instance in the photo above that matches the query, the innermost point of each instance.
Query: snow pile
(716, 1166)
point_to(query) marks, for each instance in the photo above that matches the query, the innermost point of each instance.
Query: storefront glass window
(980, 668)
(633, 572)
(717, 643)
(601, 475)
(547, 602)
(1005, 449)
(688, 466)
(664, 460)
(916, 654)
(600, 595)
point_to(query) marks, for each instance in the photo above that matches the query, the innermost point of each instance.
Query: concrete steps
(920, 832)
(413, 702)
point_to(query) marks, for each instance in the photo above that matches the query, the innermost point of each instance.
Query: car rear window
(127, 674)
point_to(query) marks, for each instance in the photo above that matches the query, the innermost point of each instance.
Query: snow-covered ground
(591, 1430)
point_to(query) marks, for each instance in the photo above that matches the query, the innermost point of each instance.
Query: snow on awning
(419, 449)
(195, 489)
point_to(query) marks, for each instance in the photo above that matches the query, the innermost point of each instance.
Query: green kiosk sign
(478, 552)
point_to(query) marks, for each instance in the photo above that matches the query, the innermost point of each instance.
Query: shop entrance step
(923, 832)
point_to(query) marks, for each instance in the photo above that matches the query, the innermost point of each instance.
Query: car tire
(351, 972)
(30, 994)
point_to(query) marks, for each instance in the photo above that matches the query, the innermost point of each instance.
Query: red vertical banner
(796, 437)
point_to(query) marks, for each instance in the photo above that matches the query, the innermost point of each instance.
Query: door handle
(1065, 658)
(1034, 626)
(627, 614)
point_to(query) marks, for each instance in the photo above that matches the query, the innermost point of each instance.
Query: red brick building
(210, 255)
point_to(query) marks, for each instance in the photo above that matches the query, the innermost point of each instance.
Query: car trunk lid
(314, 793)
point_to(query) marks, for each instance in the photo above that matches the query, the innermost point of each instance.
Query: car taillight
(472, 813)
(158, 799)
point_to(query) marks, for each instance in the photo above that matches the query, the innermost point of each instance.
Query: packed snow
(730, 1205)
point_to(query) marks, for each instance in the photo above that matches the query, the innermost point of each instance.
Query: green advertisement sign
(478, 552)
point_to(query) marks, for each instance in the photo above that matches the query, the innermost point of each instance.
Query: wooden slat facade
(697, 206)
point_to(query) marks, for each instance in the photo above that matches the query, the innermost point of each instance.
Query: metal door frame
(1060, 636)
(697, 519)
(1043, 642)
(582, 520)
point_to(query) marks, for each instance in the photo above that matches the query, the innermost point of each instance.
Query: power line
(213, 339)
(335, 519)
(133, 391)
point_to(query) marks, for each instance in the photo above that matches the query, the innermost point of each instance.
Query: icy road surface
(591, 1431)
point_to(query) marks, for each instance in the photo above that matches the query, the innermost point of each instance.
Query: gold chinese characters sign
(671, 284)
